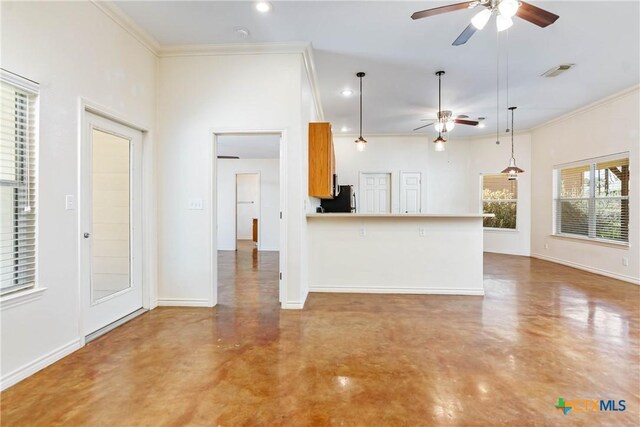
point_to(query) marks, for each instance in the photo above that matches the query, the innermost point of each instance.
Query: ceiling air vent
(556, 71)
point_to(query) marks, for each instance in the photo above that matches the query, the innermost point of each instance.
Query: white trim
(213, 194)
(592, 240)
(129, 25)
(149, 263)
(292, 306)
(622, 277)
(232, 49)
(397, 290)
(33, 88)
(107, 113)
(588, 107)
(301, 48)
(624, 155)
(312, 75)
(20, 297)
(40, 363)
(527, 254)
(111, 326)
(184, 302)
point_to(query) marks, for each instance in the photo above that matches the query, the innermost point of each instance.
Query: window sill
(601, 242)
(20, 297)
(500, 230)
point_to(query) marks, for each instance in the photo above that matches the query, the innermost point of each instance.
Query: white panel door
(111, 222)
(375, 193)
(410, 191)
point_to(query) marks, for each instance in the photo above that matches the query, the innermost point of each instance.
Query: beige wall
(75, 52)
(609, 127)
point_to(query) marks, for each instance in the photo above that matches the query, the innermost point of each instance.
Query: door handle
(86, 235)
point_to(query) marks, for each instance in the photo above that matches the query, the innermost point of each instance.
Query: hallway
(542, 331)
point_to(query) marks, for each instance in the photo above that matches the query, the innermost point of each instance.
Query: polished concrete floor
(542, 331)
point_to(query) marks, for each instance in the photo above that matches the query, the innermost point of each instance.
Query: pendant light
(360, 142)
(440, 125)
(512, 170)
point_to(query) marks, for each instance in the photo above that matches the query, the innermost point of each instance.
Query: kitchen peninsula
(396, 253)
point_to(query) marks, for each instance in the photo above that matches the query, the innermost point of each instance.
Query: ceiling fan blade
(466, 122)
(423, 127)
(465, 35)
(535, 15)
(441, 9)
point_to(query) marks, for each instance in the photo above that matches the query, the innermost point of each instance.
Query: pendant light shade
(512, 170)
(439, 141)
(360, 142)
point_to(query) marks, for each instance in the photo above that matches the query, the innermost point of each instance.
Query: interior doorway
(248, 208)
(249, 203)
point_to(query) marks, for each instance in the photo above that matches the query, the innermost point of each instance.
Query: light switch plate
(69, 202)
(196, 204)
(423, 232)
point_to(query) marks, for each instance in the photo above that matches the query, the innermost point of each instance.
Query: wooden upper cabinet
(322, 160)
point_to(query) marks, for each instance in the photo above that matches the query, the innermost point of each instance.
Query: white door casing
(375, 192)
(410, 192)
(110, 222)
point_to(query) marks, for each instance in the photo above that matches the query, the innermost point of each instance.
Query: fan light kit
(504, 10)
(360, 142)
(445, 121)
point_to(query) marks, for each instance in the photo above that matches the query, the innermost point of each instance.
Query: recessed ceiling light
(347, 92)
(263, 6)
(344, 129)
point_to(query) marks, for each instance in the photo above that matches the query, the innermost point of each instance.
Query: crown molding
(312, 75)
(588, 107)
(129, 25)
(295, 48)
(232, 49)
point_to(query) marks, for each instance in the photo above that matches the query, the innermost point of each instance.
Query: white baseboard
(184, 302)
(622, 277)
(415, 291)
(527, 254)
(31, 368)
(292, 305)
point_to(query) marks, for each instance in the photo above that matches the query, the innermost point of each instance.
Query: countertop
(395, 215)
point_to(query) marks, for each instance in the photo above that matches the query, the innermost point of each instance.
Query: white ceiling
(263, 146)
(400, 56)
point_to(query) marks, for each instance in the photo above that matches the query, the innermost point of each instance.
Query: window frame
(23, 293)
(591, 200)
(483, 200)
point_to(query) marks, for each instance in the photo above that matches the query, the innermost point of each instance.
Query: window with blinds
(500, 197)
(592, 199)
(17, 184)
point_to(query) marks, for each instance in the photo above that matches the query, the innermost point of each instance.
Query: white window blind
(17, 185)
(500, 197)
(592, 199)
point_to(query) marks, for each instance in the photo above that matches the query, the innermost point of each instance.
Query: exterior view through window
(593, 200)
(499, 197)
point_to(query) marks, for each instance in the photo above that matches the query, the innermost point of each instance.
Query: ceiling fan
(503, 9)
(445, 121)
